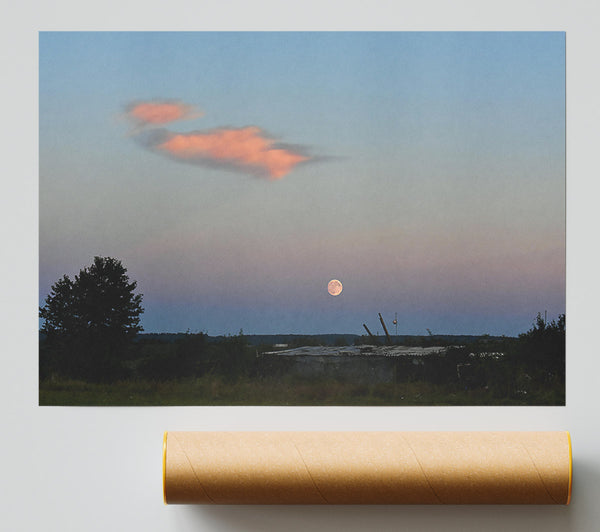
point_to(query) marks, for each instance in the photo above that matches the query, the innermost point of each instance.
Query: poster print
(345, 218)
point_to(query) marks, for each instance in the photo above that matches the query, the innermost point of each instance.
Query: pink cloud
(159, 112)
(244, 148)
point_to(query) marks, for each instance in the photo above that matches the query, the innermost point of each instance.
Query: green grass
(211, 390)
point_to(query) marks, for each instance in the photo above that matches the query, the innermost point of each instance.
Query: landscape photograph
(302, 218)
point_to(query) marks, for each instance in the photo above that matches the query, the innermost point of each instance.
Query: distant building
(364, 364)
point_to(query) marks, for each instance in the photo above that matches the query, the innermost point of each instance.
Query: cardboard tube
(367, 467)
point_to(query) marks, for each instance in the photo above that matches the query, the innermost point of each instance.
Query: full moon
(334, 287)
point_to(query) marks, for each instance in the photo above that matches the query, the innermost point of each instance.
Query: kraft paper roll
(367, 467)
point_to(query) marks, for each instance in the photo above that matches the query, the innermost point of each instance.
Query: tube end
(164, 467)
(570, 467)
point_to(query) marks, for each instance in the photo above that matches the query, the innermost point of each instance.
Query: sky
(236, 174)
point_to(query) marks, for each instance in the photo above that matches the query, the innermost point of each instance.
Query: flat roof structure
(360, 350)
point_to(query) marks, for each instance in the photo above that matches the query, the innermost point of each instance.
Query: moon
(334, 287)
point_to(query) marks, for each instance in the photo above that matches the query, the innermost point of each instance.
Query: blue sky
(431, 179)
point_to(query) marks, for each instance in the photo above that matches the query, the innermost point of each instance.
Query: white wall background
(98, 469)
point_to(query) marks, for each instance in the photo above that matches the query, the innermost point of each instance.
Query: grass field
(211, 390)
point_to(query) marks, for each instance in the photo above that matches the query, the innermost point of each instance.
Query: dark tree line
(194, 356)
(543, 346)
(507, 368)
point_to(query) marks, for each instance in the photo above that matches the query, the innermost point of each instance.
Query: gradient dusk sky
(236, 174)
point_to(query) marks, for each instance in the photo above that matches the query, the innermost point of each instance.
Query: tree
(91, 321)
(542, 348)
(58, 311)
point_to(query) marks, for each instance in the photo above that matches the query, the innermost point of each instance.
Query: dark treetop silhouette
(90, 322)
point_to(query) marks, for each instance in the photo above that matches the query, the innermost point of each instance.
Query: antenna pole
(367, 329)
(387, 334)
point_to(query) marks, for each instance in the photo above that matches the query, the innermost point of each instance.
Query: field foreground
(284, 392)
